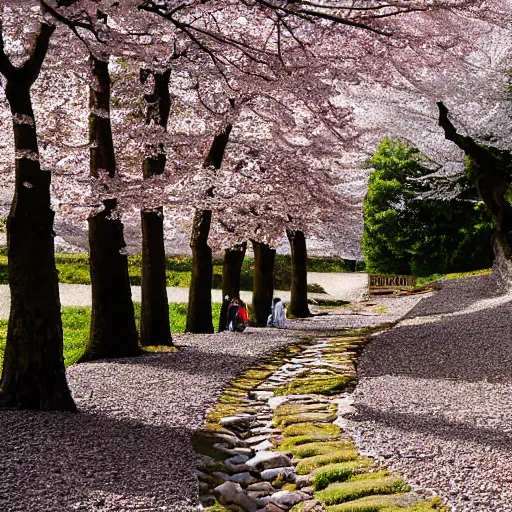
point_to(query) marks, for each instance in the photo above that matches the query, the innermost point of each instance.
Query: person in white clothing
(278, 314)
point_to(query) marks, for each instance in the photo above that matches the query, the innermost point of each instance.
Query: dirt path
(338, 286)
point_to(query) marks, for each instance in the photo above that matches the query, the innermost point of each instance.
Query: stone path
(285, 449)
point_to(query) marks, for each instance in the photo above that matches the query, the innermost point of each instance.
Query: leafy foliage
(407, 234)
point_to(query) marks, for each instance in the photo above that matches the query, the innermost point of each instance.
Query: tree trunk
(263, 287)
(155, 328)
(233, 260)
(113, 332)
(33, 375)
(199, 313)
(299, 292)
(489, 170)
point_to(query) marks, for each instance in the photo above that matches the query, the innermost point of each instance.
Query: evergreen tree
(406, 233)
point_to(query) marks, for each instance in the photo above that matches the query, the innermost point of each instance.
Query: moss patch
(317, 384)
(388, 503)
(320, 448)
(315, 417)
(359, 486)
(313, 430)
(340, 472)
(290, 409)
(291, 442)
(305, 466)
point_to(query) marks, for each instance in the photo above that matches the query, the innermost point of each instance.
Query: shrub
(407, 234)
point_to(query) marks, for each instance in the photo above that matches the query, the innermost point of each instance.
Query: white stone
(269, 460)
(264, 445)
(289, 498)
(288, 473)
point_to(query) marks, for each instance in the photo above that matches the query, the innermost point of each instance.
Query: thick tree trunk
(489, 170)
(199, 314)
(113, 332)
(263, 287)
(33, 375)
(155, 328)
(299, 292)
(233, 260)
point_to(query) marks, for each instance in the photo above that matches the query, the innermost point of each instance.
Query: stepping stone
(238, 459)
(232, 493)
(264, 445)
(236, 468)
(261, 395)
(262, 486)
(229, 440)
(244, 478)
(269, 460)
(232, 451)
(287, 473)
(255, 439)
(289, 498)
(236, 421)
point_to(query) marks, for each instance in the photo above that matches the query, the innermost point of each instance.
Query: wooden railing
(385, 283)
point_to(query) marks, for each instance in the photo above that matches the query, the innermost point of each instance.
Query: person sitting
(233, 308)
(278, 314)
(241, 318)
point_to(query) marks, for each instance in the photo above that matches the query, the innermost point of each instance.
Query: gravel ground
(434, 397)
(128, 447)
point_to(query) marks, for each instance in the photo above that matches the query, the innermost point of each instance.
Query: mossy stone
(339, 472)
(359, 486)
(313, 430)
(305, 466)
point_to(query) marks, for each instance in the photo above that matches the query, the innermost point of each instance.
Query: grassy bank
(455, 275)
(76, 322)
(74, 269)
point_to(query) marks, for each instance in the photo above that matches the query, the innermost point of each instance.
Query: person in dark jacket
(233, 308)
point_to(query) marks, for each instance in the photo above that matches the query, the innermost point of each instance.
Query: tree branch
(6, 68)
(467, 144)
(30, 70)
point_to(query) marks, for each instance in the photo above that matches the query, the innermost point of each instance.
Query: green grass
(319, 384)
(456, 275)
(76, 322)
(311, 430)
(340, 472)
(305, 466)
(74, 269)
(320, 448)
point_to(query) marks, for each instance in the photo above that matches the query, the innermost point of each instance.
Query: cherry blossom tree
(274, 48)
(33, 375)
